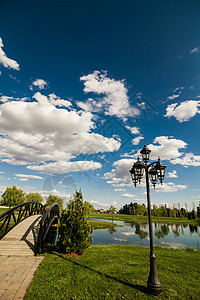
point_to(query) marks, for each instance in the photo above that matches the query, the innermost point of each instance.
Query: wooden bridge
(23, 228)
(23, 231)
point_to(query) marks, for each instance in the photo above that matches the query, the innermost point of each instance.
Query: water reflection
(169, 235)
(162, 231)
(112, 229)
(140, 232)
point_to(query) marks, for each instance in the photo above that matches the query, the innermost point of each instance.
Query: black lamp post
(155, 171)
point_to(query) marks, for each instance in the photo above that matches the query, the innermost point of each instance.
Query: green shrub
(74, 230)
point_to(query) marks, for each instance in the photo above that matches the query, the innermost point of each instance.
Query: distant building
(100, 210)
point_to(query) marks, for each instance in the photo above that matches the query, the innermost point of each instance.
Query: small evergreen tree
(74, 231)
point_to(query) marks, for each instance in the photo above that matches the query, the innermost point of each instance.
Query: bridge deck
(20, 241)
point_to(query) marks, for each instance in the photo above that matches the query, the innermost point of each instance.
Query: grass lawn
(3, 209)
(116, 272)
(101, 224)
(132, 218)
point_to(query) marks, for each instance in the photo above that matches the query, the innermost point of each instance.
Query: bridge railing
(16, 214)
(50, 217)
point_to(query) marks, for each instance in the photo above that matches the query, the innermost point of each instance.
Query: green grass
(101, 224)
(3, 209)
(131, 218)
(116, 272)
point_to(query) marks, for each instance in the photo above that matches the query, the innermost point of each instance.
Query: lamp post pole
(155, 170)
(153, 283)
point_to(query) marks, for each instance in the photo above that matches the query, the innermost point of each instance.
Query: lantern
(160, 167)
(145, 154)
(153, 176)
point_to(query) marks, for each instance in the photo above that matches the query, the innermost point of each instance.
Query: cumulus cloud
(184, 111)
(134, 130)
(5, 61)
(189, 159)
(61, 167)
(168, 148)
(39, 132)
(170, 187)
(53, 99)
(137, 140)
(40, 83)
(6, 98)
(115, 101)
(172, 174)
(120, 172)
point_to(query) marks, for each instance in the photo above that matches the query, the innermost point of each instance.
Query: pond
(179, 236)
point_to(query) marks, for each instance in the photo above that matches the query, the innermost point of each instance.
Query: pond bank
(144, 219)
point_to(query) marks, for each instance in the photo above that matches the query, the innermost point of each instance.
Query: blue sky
(84, 85)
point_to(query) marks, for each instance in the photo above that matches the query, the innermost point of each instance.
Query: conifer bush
(74, 231)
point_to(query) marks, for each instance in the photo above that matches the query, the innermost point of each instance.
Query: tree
(36, 197)
(112, 210)
(88, 207)
(74, 230)
(13, 196)
(54, 199)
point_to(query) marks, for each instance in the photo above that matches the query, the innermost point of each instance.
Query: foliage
(54, 199)
(88, 207)
(36, 197)
(13, 196)
(112, 209)
(74, 231)
(116, 272)
(133, 209)
(161, 211)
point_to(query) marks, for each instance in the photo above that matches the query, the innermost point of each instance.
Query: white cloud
(120, 173)
(7, 62)
(189, 159)
(61, 167)
(184, 111)
(137, 140)
(54, 192)
(134, 130)
(119, 190)
(172, 174)
(29, 176)
(23, 179)
(53, 99)
(170, 187)
(167, 149)
(101, 204)
(195, 50)
(40, 83)
(38, 132)
(127, 195)
(173, 97)
(115, 102)
(128, 233)
(5, 99)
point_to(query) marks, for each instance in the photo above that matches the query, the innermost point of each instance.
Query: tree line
(13, 196)
(161, 211)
